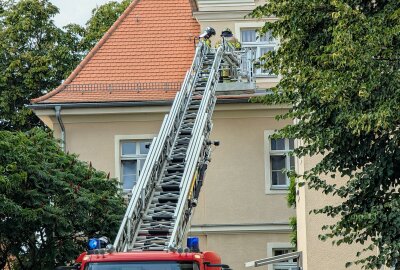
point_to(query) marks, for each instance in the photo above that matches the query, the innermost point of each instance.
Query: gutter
(57, 108)
(40, 106)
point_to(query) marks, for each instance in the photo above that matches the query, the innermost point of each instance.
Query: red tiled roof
(152, 41)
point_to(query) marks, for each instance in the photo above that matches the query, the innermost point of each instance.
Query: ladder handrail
(199, 135)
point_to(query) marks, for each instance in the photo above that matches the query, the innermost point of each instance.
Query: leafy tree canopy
(103, 17)
(50, 202)
(36, 55)
(340, 67)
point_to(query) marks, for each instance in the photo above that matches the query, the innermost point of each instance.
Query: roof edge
(44, 106)
(89, 56)
(194, 5)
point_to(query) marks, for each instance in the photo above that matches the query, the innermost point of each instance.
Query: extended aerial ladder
(162, 201)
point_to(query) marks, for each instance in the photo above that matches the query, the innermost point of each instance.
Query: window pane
(248, 35)
(267, 38)
(144, 148)
(128, 148)
(278, 252)
(277, 144)
(278, 162)
(141, 164)
(291, 144)
(129, 173)
(278, 178)
(264, 50)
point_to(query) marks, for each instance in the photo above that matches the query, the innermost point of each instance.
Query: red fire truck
(98, 258)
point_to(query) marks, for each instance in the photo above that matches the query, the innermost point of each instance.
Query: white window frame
(269, 188)
(258, 45)
(277, 245)
(117, 150)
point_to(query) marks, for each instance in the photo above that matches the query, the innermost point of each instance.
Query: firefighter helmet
(208, 33)
(226, 33)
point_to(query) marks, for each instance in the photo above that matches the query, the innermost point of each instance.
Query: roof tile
(152, 41)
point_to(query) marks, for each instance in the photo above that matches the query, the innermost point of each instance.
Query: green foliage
(50, 202)
(291, 197)
(291, 200)
(35, 57)
(293, 234)
(103, 17)
(340, 67)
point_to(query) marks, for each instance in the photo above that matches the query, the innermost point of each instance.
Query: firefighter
(207, 34)
(228, 36)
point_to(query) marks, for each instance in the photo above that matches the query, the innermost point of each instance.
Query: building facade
(109, 109)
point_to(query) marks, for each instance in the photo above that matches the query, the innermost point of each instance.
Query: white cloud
(75, 11)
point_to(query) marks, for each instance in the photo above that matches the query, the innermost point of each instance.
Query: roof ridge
(89, 56)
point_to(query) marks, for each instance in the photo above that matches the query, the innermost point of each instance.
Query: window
(132, 157)
(288, 265)
(260, 45)
(276, 249)
(278, 160)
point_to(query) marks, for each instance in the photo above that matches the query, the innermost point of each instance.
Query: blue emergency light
(94, 243)
(98, 243)
(193, 244)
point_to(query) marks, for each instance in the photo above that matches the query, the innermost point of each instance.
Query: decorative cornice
(236, 15)
(225, 5)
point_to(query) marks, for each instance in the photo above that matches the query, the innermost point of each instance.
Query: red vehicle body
(113, 260)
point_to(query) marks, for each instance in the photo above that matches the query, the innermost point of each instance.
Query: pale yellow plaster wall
(92, 136)
(237, 248)
(234, 189)
(235, 183)
(319, 254)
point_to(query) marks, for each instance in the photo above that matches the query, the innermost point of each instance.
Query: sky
(75, 11)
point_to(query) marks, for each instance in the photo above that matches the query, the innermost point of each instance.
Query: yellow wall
(318, 254)
(234, 189)
(237, 248)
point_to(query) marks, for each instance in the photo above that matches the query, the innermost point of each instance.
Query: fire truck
(99, 257)
(161, 204)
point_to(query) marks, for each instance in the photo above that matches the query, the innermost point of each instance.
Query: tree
(103, 17)
(35, 57)
(50, 202)
(340, 67)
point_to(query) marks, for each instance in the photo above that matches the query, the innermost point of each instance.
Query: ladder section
(162, 201)
(158, 222)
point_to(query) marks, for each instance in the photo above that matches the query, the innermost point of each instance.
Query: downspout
(60, 122)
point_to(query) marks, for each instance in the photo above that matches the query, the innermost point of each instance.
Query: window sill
(279, 187)
(277, 190)
(265, 76)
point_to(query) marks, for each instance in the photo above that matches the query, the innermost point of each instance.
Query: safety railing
(247, 59)
(159, 151)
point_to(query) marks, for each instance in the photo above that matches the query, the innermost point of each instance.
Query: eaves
(41, 106)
